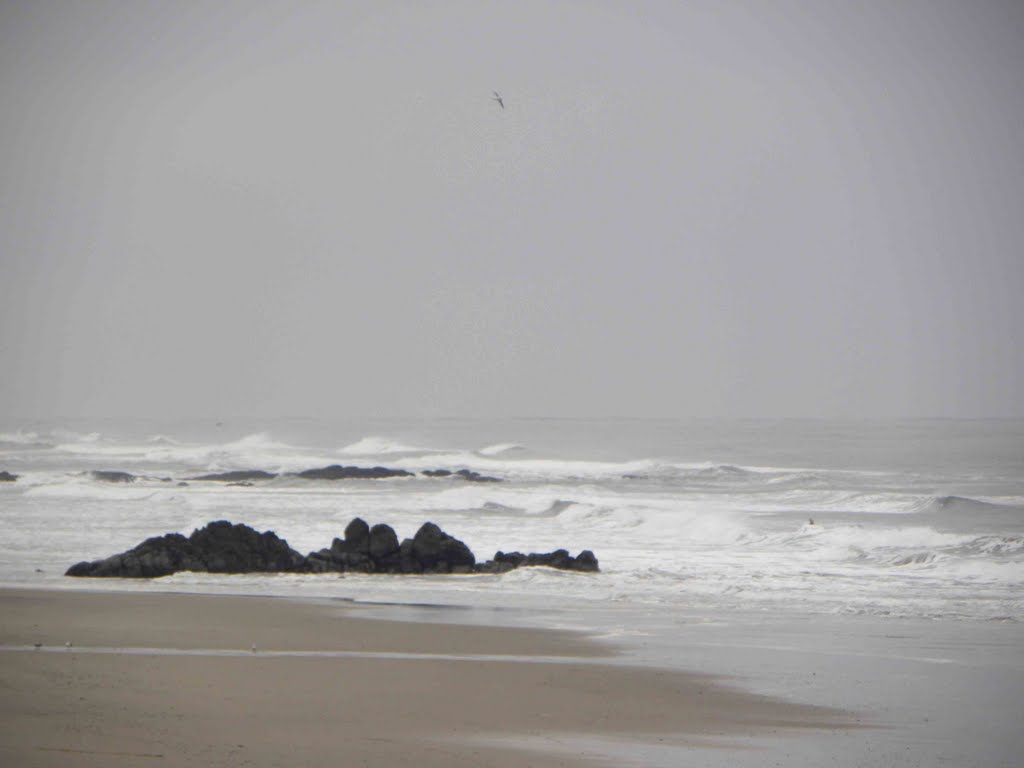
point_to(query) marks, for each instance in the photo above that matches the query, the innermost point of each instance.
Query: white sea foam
(82, 489)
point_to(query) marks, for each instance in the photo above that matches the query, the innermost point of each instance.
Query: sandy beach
(168, 679)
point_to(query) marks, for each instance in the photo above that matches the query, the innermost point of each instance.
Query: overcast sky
(685, 208)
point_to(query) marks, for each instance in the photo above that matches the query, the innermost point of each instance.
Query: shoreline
(174, 675)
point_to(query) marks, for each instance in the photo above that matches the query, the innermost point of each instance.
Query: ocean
(917, 519)
(876, 566)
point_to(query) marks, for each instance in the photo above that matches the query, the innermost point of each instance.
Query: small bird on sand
(254, 647)
(67, 644)
(497, 98)
(38, 646)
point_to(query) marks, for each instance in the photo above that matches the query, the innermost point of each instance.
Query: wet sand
(167, 679)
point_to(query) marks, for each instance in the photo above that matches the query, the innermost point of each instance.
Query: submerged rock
(338, 472)
(476, 477)
(561, 559)
(238, 476)
(7, 477)
(107, 476)
(465, 474)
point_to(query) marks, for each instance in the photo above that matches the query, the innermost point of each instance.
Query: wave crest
(381, 446)
(499, 448)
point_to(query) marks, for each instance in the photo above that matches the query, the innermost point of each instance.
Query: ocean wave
(878, 503)
(724, 470)
(60, 439)
(163, 440)
(161, 454)
(646, 528)
(535, 470)
(382, 446)
(904, 548)
(495, 508)
(256, 451)
(995, 545)
(23, 439)
(500, 448)
(76, 442)
(915, 558)
(811, 501)
(86, 489)
(966, 504)
(888, 538)
(487, 501)
(804, 479)
(985, 571)
(554, 509)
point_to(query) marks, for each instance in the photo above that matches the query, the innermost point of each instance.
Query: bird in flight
(497, 98)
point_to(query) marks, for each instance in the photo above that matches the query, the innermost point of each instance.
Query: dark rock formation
(383, 542)
(349, 554)
(560, 558)
(437, 552)
(227, 548)
(357, 536)
(338, 472)
(7, 477)
(587, 561)
(221, 547)
(465, 474)
(238, 476)
(108, 476)
(476, 477)
(376, 550)
(158, 556)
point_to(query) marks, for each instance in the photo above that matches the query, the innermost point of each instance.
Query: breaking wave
(381, 446)
(24, 439)
(500, 448)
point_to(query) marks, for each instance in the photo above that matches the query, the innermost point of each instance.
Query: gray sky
(702, 208)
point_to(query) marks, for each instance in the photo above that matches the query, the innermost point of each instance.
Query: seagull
(497, 98)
